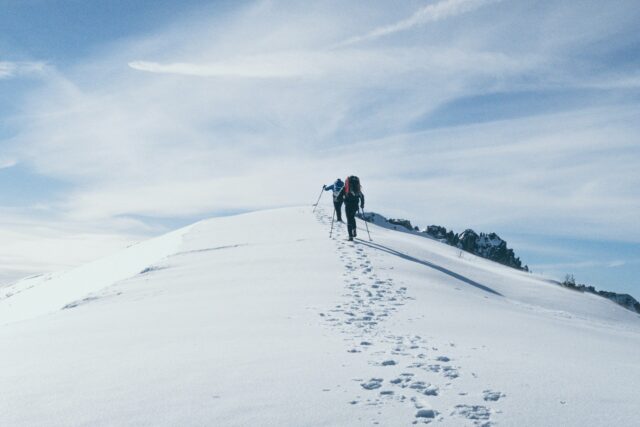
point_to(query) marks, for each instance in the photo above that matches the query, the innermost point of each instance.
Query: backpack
(352, 185)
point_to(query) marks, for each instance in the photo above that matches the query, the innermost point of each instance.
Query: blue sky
(69, 30)
(122, 119)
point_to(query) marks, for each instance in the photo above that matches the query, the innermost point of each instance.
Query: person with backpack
(352, 196)
(337, 203)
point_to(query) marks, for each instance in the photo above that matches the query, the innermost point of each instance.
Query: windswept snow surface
(262, 319)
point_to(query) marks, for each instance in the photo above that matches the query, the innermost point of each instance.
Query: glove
(324, 187)
(362, 206)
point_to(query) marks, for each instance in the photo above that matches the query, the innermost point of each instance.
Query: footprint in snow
(372, 384)
(369, 300)
(480, 415)
(426, 413)
(493, 396)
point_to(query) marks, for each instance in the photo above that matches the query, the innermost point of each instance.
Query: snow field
(261, 319)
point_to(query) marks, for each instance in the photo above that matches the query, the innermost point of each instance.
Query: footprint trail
(411, 371)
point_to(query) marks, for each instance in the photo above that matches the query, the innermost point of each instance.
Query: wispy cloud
(7, 162)
(15, 69)
(616, 263)
(347, 63)
(429, 13)
(246, 67)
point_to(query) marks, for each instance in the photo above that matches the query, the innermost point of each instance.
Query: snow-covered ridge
(262, 319)
(38, 295)
(491, 247)
(625, 300)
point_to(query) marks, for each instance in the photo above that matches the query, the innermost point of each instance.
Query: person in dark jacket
(352, 195)
(337, 203)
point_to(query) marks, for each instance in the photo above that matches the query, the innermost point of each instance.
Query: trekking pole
(365, 224)
(316, 205)
(332, 216)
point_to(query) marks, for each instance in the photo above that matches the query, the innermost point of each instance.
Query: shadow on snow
(430, 264)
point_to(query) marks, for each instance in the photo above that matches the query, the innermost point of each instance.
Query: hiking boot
(350, 239)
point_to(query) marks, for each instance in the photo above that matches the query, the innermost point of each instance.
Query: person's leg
(338, 207)
(351, 220)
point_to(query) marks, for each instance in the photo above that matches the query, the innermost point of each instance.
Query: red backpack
(352, 185)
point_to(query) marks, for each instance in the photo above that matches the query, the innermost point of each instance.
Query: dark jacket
(351, 199)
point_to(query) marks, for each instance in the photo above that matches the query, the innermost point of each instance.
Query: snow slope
(261, 319)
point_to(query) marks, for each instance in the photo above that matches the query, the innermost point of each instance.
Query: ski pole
(365, 224)
(316, 205)
(332, 216)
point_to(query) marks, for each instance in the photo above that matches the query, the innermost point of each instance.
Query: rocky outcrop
(489, 246)
(401, 222)
(625, 300)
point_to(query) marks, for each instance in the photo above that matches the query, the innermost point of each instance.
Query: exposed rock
(625, 300)
(489, 246)
(401, 222)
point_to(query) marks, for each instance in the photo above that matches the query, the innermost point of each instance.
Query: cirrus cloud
(14, 69)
